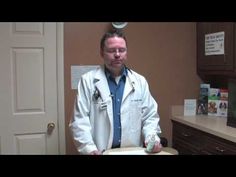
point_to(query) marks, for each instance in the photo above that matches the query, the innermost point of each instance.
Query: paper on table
(136, 152)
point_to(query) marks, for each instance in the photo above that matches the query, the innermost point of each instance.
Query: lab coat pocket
(98, 110)
(134, 134)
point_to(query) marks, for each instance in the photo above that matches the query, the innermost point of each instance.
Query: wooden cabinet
(211, 63)
(218, 69)
(191, 141)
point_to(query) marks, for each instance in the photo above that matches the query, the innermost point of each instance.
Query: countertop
(210, 124)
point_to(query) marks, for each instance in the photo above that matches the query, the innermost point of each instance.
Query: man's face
(114, 53)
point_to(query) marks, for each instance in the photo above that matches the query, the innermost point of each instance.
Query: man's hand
(156, 148)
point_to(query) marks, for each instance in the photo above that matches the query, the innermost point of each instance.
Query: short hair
(111, 33)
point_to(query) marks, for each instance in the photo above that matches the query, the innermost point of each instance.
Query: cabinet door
(211, 61)
(186, 139)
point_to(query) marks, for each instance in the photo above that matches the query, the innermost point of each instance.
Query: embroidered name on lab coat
(136, 100)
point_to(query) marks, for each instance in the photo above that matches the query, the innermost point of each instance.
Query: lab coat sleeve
(80, 123)
(150, 116)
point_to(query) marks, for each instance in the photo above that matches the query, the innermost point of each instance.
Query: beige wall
(165, 53)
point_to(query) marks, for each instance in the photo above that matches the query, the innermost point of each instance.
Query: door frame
(60, 87)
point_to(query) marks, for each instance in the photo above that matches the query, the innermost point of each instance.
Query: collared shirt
(116, 90)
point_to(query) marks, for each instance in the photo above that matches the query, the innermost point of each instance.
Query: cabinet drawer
(216, 145)
(184, 148)
(188, 140)
(187, 134)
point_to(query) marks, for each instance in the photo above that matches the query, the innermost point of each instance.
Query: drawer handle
(185, 134)
(219, 149)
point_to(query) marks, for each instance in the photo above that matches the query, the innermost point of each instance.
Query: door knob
(50, 127)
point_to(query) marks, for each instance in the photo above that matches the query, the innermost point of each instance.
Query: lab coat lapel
(102, 85)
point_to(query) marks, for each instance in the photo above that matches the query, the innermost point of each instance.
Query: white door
(28, 89)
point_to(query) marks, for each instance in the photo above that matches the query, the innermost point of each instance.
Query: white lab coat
(92, 121)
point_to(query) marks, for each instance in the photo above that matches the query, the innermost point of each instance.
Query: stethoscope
(131, 82)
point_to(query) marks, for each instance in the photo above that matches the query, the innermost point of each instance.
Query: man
(114, 107)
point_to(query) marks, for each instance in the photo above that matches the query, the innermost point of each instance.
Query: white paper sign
(190, 107)
(77, 71)
(214, 43)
